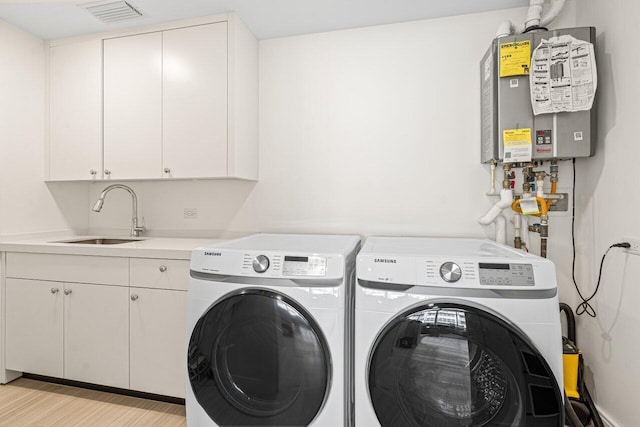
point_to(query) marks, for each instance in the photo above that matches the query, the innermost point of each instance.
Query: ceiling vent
(112, 11)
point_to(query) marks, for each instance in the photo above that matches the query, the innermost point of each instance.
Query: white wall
(26, 203)
(609, 203)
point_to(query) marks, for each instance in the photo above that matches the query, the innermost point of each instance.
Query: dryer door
(454, 365)
(258, 358)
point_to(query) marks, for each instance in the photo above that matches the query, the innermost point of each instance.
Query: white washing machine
(456, 332)
(268, 333)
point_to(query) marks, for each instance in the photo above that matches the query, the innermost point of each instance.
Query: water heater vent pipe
(534, 18)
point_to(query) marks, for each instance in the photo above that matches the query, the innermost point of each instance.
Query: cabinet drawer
(160, 273)
(69, 268)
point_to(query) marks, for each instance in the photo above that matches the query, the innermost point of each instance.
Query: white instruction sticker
(563, 75)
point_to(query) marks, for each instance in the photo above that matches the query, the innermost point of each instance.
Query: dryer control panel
(454, 263)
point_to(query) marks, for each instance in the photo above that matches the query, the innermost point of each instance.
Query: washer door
(258, 358)
(454, 365)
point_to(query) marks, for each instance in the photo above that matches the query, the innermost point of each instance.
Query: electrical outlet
(191, 213)
(635, 245)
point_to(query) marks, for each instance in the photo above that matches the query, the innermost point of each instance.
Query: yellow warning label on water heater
(515, 58)
(516, 145)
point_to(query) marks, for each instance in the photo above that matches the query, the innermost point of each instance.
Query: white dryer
(456, 332)
(268, 334)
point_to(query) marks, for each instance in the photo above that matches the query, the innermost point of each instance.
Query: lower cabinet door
(96, 334)
(34, 326)
(158, 341)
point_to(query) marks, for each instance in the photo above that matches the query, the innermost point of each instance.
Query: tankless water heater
(507, 98)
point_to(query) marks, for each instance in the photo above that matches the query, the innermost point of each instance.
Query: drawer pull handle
(134, 297)
(54, 290)
(163, 268)
(67, 291)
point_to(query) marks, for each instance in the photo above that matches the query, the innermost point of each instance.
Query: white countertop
(147, 247)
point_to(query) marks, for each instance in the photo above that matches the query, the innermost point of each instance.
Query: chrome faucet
(135, 229)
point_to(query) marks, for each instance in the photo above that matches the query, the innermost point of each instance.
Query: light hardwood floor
(27, 402)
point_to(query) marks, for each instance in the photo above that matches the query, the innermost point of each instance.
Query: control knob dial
(260, 264)
(450, 272)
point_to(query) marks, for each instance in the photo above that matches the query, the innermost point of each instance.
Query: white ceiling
(266, 18)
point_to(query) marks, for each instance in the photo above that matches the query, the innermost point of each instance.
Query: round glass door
(258, 358)
(458, 366)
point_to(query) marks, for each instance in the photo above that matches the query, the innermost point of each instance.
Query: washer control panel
(497, 274)
(304, 266)
(263, 263)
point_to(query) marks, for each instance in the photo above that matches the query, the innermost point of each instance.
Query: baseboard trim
(106, 389)
(606, 418)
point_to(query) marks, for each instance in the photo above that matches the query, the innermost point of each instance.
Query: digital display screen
(304, 266)
(498, 274)
(494, 266)
(296, 258)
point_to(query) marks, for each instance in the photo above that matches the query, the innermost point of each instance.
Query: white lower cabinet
(96, 334)
(129, 332)
(157, 341)
(34, 340)
(75, 331)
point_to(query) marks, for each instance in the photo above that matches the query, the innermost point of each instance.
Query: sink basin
(101, 241)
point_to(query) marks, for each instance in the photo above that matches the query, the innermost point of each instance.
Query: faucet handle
(136, 229)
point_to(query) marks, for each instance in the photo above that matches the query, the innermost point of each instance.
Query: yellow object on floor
(571, 364)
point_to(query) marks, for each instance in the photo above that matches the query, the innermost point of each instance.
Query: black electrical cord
(584, 306)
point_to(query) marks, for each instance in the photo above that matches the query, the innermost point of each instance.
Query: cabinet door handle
(54, 290)
(167, 170)
(134, 297)
(162, 268)
(107, 172)
(93, 172)
(67, 291)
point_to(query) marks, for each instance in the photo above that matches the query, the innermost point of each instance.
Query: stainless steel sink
(100, 241)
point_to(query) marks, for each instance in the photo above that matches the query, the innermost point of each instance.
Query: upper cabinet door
(195, 101)
(75, 105)
(133, 107)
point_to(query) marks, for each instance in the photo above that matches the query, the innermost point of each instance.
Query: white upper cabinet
(194, 95)
(180, 100)
(133, 107)
(75, 111)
